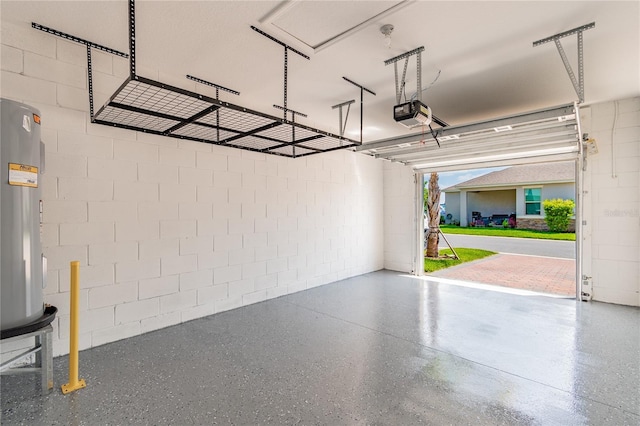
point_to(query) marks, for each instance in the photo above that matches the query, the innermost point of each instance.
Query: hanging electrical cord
(415, 95)
(433, 133)
(434, 81)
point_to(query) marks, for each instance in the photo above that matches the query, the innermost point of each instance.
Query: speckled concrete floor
(381, 348)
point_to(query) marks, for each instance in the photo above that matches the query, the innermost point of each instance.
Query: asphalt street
(526, 246)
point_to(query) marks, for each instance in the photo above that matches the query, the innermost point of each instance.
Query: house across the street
(516, 192)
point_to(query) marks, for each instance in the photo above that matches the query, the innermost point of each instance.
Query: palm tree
(433, 209)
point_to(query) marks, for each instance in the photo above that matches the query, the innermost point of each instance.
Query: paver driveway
(553, 275)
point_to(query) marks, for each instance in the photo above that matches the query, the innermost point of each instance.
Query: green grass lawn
(466, 255)
(508, 232)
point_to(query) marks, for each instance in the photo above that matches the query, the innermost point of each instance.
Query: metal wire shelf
(149, 106)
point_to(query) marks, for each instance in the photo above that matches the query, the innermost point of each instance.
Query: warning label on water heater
(23, 175)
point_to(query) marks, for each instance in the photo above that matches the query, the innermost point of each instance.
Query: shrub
(505, 223)
(557, 213)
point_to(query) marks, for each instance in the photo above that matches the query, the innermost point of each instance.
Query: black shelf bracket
(362, 90)
(343, 127)
(287, 48)
(90, 45)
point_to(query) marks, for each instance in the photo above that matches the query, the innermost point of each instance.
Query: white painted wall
(167, 230)
(453, 207)
(612, 202)
(399, 217)
(565, 191)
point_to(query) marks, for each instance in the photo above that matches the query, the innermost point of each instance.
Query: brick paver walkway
(540, 274)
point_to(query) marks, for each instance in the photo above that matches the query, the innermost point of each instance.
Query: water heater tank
(22, 264)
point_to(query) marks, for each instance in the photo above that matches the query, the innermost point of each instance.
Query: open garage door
(552, 134)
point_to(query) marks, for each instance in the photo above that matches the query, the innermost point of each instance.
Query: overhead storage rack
(150, 106)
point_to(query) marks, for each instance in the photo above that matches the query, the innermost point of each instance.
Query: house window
(532, 198)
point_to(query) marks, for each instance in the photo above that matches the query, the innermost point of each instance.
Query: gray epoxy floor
(381, 348)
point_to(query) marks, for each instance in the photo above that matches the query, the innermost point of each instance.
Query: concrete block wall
(612, 201)
(169, 230)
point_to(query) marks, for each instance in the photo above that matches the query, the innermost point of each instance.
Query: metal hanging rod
(287, 48)
(362, 90)
(301, 114)
(78, 40)
(132, 38)
(404, 55)
(208, 83)
(357, 85)
(565, 34)
(343, 104)
(272, 38)
(90, 82)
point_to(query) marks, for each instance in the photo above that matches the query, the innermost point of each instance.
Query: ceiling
(478, 61)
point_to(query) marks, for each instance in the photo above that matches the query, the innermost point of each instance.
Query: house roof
(560, 172)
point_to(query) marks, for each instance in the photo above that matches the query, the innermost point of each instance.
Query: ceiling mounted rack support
(149, 106)
(578, 84)
(284, 106)
(287, 48)
(362, 90)
(78, 40)
(132, 38)
(90, 82)
(90, 45)
(400, 82)
(343, 127)
(216, 86)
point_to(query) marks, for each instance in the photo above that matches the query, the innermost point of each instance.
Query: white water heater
(23, 268)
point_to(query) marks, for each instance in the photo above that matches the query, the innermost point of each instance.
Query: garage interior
(269, 272)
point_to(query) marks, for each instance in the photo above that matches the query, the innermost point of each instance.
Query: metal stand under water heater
(22, 267)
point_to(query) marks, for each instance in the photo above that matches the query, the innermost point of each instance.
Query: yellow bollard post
(74, 383)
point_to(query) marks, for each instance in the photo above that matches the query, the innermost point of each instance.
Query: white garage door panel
(546, 135)
(538, 158)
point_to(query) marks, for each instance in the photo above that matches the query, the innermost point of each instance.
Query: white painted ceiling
(478, 62)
